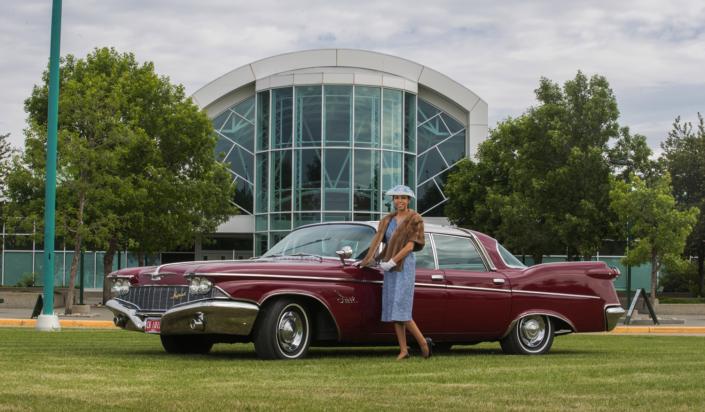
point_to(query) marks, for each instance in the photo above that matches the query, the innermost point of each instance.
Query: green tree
(136, 166)
(6, 152)
(632, 155)
(659, 228)
(684, 157)
(543, 178)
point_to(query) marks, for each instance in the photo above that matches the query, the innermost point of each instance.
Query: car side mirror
(344, 253)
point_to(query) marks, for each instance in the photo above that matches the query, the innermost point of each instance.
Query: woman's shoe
(402, 357)
(429, 345)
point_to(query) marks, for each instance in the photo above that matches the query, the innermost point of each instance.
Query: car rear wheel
(283, 331)
(186, 343)
(531, 335)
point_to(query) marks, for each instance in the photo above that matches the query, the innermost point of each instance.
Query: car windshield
(324, 240)
(509, 259)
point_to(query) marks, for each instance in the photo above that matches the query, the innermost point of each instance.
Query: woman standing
(402, 233)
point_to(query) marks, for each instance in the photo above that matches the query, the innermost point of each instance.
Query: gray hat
(400, 190)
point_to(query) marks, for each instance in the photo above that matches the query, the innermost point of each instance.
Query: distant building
(320, 135)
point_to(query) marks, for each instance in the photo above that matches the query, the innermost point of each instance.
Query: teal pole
(629, 267)
(50, 190)
(80, 301)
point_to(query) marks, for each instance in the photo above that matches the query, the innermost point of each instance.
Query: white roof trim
(322, 58)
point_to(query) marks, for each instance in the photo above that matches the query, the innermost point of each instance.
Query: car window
(324, 240)
(509, 259)
(457, 253)
(424, 257)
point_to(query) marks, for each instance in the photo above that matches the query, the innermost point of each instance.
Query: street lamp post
(48, 321)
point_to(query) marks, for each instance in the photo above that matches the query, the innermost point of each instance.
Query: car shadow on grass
(247, 352)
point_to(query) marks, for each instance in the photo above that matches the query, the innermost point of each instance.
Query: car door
(478, 301)
(429, 291)
(429, 296)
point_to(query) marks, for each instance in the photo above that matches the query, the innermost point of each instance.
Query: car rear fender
(562, 324)
(312, 301)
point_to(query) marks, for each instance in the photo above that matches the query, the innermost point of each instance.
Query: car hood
(174, 273)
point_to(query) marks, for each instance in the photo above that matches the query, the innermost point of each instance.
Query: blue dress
(398, 288)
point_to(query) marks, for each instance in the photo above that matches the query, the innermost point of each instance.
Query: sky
(651, 52)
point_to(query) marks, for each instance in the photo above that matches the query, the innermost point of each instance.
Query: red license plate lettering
(152, 325)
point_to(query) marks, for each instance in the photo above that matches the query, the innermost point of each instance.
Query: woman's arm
(403, 252)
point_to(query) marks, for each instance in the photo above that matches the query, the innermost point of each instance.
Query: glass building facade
(327, 152)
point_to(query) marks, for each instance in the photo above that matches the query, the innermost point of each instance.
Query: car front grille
(161, 298)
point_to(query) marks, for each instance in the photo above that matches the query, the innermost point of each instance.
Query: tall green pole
(50, 191)
(629, 267)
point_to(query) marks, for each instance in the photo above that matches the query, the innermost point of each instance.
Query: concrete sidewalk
(101, 317)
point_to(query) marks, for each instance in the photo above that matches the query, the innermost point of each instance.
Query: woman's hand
(388, 265)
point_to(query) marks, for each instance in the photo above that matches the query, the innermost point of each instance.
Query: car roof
(428, 227)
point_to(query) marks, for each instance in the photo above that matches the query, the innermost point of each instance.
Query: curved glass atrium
(307, 154)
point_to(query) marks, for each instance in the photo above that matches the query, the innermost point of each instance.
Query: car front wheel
(283, 331)
(531, 335)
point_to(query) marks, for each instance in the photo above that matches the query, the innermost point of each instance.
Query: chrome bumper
(205, 317)
(612, 315)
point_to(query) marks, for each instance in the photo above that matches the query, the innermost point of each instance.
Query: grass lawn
(117, 370)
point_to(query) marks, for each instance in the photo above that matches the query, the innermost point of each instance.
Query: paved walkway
(101, 317)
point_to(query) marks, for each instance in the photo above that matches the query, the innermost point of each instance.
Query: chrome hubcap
(290, 330)
(532, 331)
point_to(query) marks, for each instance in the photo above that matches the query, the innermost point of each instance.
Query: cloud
(650, 51)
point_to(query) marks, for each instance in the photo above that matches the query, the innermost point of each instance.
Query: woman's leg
(400, 330)
(416, 333)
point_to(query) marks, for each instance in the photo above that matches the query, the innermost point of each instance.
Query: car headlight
(199, 285)
(120, 287)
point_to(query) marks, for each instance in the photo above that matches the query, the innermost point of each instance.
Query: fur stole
(409, 230)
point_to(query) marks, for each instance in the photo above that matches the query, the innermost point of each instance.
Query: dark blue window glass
(308, 115)
(282, 105)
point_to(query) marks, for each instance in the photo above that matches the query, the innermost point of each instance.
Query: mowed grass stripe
(119, 370)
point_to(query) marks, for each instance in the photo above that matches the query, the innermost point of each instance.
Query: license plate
(152, 325)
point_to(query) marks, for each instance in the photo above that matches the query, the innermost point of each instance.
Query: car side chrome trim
(262, 275)
(429, 285)
(421, 284)
(557, 294)
(478, 288)
(531, 292)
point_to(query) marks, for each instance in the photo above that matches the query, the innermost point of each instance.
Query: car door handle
(437, 277)
(498, 281)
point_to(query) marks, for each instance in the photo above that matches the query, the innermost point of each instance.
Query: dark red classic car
(309, 291)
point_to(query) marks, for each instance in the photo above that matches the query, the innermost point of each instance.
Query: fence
(23, 266)
(22, 261)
